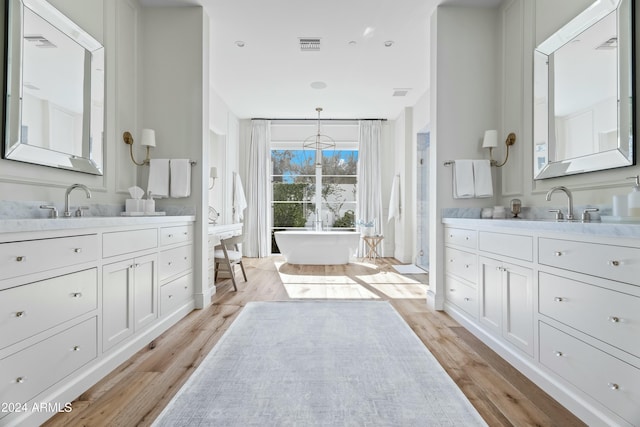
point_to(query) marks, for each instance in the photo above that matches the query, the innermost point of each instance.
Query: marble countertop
(630, 230)
(46, 224)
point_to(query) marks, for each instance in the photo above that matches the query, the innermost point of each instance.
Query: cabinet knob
(452, 290)
(558, 353)
(557, 253)
(21, 258)
(170, 235)
(185, 233)
(466, 238)
(466, 266)
(558, 299)
(169, 263)
(467, 299)
(20, 380)
(185, 258)
(614, 319)
(77, 250)
(170, 296)
(136, 265)
(76, 348)
(614, 263)
(20, 313)
(77, 294)
(613, 386)
(451, 260)
(186, 287)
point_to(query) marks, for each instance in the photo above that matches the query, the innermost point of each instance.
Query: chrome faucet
(67, 212)
(569, 199)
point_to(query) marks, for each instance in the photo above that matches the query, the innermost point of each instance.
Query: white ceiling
(271, 78)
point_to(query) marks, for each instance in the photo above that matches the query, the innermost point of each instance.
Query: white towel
(180, 177)
(463, 183)
(483, 184)
(239, 199)
(394, 200)
(158, 184)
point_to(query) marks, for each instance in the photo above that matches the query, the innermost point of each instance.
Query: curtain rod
(315, 120)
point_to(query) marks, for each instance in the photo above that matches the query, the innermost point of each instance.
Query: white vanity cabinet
(506, 302)
(561, 305)
(129, 298)
(176, 266)
(78, 300)
(461, 280)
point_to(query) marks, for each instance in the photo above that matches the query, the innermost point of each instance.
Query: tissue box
(134, 205)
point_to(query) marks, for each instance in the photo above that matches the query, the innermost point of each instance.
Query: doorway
(422, 200)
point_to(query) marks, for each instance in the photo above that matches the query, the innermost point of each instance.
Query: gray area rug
(319, 363)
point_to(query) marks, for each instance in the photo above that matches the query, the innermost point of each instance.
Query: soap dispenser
(633, 199)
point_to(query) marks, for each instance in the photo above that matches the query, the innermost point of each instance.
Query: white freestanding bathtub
(317, 247)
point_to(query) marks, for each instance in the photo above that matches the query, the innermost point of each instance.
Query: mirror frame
(624, 155)
(13, 148)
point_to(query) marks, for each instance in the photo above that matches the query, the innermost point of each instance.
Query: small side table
(371, 246)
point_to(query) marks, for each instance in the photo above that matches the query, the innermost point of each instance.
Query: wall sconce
(148, 140)
(490, 141)
(213, 174)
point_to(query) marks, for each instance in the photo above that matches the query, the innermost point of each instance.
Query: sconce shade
(490, 139)
(148, 138)
(213, 173)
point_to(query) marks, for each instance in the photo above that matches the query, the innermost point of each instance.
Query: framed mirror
(54, 105)
(584, 93)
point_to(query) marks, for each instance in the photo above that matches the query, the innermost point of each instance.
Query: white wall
(175, 103)
(224, 155)
(527, 23)
(116, 26)
(463, 104)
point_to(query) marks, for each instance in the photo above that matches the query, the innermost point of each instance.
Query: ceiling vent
(309, 44)
(611, 43)
(40, 41)
(400, 92)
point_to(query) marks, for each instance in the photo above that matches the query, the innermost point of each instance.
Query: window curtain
(369, 198)
(257, 241)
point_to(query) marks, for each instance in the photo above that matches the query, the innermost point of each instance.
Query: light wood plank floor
(137, 391)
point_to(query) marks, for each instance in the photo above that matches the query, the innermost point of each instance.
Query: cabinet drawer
(511, 245)
(177, 234)
(25, 374)
(125, 242)
(608, 380)
(175, 293)
(32, 256)
(462, 295)
(174, 261)
(29, 309)
(462, 264)
(610, 316)
(461, 237)
(612, 262)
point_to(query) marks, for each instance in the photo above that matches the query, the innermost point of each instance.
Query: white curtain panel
(369, 198)
(257, 240)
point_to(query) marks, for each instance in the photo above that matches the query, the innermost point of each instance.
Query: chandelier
(319, 142)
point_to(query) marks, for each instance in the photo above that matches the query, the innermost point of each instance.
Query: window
(306, 196)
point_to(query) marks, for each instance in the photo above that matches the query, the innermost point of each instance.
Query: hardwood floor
(137, 391)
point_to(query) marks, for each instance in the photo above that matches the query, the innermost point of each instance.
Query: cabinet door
(517, 320)
(145, 298)
(491, 293)
(117, 307)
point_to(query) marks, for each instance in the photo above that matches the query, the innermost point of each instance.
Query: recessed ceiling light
(388, 43)
(240, 43)
(318, 85)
